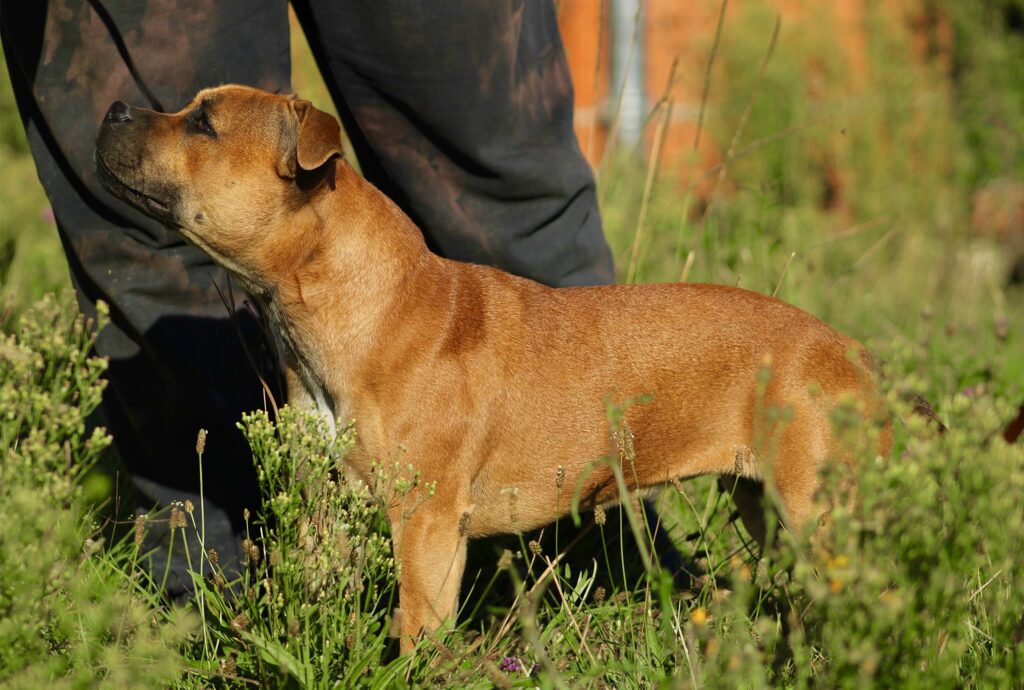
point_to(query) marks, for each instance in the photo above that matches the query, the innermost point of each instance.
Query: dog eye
(201, 123)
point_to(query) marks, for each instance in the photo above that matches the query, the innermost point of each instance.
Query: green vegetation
(916, 584)
(31, 260)
(73, 612)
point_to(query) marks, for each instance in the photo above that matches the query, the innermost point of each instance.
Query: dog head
(228, 170)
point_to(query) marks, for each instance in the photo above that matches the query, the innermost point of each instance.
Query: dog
(496, 388)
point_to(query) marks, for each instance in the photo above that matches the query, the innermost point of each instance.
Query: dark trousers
(459, 110)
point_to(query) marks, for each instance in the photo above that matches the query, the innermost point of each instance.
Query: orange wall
(584, 27)
(684, 30)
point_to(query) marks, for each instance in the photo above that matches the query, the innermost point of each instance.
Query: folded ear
(319, 136)
(310, 139)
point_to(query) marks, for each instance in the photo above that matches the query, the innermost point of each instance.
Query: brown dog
(494, 386)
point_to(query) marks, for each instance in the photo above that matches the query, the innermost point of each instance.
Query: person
(459, 110)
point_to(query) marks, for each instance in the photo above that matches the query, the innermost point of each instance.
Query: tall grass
(72, 611)
(915, 583)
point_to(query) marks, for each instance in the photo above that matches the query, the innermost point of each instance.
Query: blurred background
(862, 159)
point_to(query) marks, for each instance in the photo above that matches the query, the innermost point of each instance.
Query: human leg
(178, 358)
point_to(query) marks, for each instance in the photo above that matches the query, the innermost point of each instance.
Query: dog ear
(319, 136)
(309, 140)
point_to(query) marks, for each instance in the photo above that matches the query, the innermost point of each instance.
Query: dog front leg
(430, 547)
(300, 398)
(298, 395)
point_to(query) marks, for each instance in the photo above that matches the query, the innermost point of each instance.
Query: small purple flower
(511, 664)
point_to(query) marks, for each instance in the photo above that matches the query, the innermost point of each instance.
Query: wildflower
(973, 391)
(251, 551)
(506, 559)
(599, 515)
(227, 666)
(201, 442)
(213, 556)
(177, 520)
(189, 507)
(140, 529)
(624, 442)
(835, 585)
(534, 547)
(559, 477)
(245, 515)
(240, 622)
(510, 664)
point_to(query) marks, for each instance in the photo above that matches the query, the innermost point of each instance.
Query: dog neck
(337, 277)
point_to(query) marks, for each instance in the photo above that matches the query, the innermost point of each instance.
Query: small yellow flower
(699, 616)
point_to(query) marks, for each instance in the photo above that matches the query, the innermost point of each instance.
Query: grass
(916, 584)
(31, 260)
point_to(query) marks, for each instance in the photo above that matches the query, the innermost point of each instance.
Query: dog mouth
(148, 204)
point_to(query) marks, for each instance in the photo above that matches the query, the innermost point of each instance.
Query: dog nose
(119, 113)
